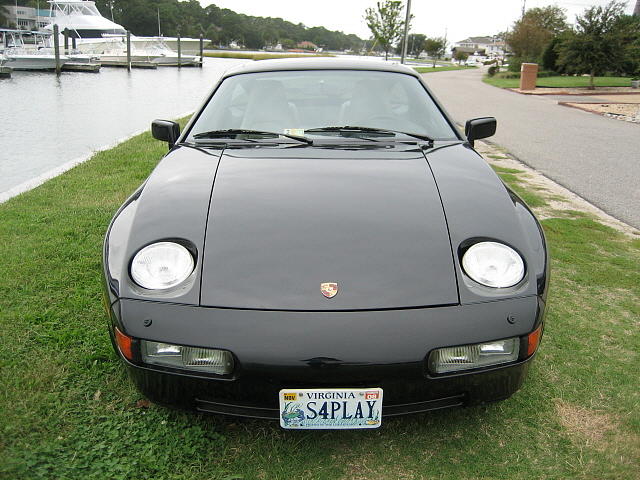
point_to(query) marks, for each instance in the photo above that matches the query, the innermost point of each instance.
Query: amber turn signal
(124, 344)
(533, 340)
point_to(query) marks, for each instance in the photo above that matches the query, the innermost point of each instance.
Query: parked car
(322, 246)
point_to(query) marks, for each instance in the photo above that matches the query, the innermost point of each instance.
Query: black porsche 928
(321, 246)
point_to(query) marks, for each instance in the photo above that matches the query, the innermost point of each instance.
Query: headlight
(198, 359)
(161, 265)
(467, 357)
(493, 264)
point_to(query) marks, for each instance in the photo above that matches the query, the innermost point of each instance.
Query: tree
(629, 27)
(549, 58)
(287, 43)
(435, 48)
(597, 44)
(461, 56)
(533, 32)
(221, 25)
(385, 23)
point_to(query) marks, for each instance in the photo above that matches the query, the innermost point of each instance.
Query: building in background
(481, 47)
(27, 18)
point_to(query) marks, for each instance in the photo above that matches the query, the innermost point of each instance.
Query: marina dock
(81, 67)
(50, 51)
(124, 64)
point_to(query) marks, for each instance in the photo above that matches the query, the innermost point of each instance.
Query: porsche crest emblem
(329, 290)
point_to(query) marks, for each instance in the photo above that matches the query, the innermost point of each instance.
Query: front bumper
(257, 396)
(283, 349)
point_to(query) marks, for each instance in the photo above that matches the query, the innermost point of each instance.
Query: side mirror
(166, 131)
(478, 128)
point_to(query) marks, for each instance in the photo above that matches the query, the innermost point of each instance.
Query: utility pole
(636, 11)
(444, 47)
(406, 31)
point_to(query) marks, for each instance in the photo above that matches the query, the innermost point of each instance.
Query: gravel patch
(628, 112)
(576, 91)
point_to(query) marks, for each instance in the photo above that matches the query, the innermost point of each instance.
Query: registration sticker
(294, 131)
(330, 408)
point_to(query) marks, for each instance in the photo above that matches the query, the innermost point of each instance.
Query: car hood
(279, 226)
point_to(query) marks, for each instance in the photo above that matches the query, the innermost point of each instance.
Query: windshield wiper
(355, 129)
(233, 132)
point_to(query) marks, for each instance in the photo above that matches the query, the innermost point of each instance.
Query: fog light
(467, 357)
(197, 359)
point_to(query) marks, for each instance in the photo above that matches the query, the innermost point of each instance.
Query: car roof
(319, 63)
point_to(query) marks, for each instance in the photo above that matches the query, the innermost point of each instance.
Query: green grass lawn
(561, 82)
(442, 69)
(68, 410)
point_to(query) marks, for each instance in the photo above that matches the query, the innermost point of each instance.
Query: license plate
(330, 408)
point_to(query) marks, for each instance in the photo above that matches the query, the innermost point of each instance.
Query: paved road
(596, 157)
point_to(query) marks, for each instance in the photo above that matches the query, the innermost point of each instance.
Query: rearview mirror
(165, 130)
(478, 128)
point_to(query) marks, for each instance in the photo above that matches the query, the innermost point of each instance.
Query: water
(50, 121)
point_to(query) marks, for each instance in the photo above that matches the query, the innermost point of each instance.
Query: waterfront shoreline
(57, 171)
(56, 122)
(65, 167)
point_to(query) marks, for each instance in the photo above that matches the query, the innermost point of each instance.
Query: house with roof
(481, 47)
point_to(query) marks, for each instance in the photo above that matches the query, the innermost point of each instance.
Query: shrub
(511, 75)
(508, 75)
(514, 64)
(493, 70)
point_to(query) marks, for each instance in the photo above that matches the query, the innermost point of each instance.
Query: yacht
(23, 50)
(160, 53)
(113, 51)
(92, 31)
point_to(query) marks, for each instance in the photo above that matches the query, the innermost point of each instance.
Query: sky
(459, 19)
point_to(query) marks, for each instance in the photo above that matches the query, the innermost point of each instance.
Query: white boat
(155, 53)
(23, 51)
(162, 55)
(93, 32)
(21, 60)
(188, 46)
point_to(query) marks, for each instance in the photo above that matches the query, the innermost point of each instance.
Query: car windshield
(294, 102)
